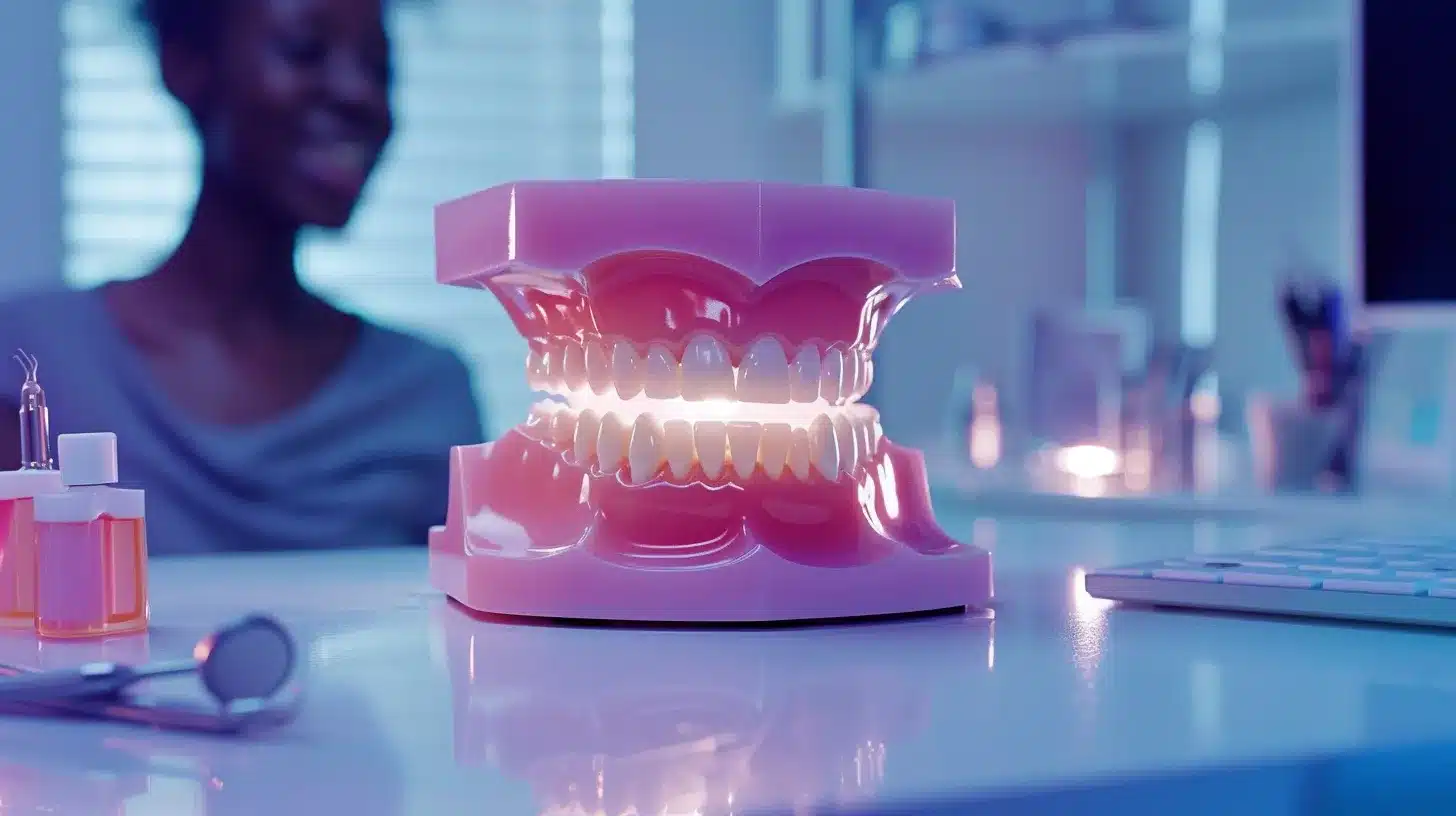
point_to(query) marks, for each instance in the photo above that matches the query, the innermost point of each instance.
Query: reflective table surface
(413, 707)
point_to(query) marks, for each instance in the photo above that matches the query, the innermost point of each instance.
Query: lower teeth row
(831, 447)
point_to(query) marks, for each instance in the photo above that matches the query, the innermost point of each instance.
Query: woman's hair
(189, 22)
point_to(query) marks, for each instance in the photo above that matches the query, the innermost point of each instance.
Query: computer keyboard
(1389, 580)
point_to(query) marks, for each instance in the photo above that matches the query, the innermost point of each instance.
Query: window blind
(488, 91)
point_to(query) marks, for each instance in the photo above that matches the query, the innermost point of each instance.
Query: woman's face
(294, 110)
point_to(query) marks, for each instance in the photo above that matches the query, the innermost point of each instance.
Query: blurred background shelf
(1120, 75)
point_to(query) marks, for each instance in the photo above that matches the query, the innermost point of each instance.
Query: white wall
(30, 146)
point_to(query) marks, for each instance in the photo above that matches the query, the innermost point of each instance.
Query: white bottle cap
(87, 458)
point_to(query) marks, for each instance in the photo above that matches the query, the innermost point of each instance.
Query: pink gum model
(701, 457)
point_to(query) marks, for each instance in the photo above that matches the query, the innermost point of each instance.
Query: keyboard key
(1270, 579)
(1333, 570)
(1124, 572)
(1377, 587)
(1186, 575)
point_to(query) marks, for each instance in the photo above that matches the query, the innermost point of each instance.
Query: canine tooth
(824, 446)
(662, 378)
(711, 441)
(773, 450)
(598, 366)
(677, 446)
(764, 374)
(804, 375)
(743, 447)
(707, 373)
(563, 429)
(611, 443)
(588, 425)
(626, 370)
(644, 454)
(800, 454)
(574, 367)
(535, 370)
(831, 376)
(848, 448)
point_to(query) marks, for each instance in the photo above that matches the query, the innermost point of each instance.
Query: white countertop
(414, 708)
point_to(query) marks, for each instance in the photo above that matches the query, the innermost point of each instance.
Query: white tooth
(743, 447)
(850, 388)
(831, 376)
(644, 454)
(611, 443)
(824, 446)
(711, 441)
(804, 375)
(848, 448)
(800, 454)
(861, 439)
(535, 370)
(677, 446)
(584, 447)
(563, 429)
(626, 370)
(764, 374)
(866, 374)
(555, 368)
(662, 377)
(598, 366)
(575, 367)
(707, 373)
(773, 451)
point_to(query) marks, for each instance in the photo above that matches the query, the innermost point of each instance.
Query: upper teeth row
(836, 374)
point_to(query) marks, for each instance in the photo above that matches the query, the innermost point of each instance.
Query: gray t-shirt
(362, 463)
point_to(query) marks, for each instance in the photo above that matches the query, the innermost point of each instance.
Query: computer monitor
(1401, 120)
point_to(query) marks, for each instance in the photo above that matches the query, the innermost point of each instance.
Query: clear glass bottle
(18, 489)
(91, 546)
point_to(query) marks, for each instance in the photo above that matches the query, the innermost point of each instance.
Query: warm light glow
(1137, 465)
(1087, 461)
(712, 410)
(1204, 405)
(985, 443)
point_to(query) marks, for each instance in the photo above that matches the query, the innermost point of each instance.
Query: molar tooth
(563, 429)
(677, 446)
(662, 376)
(644, 454)
(831, 376)
(800, 454)
(711, 441)
(598, 366)
(626, 370)
(773, 450)
(574, 367)
(535, 370)
(848, 447)
(764, 374)
(588, 425)
(804, 375)
(824, 447)
(611, 443)
(743, 447)
(707, 373)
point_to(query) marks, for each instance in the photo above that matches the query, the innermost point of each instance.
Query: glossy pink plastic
(92, 579)
(705, 288)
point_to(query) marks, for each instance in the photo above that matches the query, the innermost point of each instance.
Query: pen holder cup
(1292, 446)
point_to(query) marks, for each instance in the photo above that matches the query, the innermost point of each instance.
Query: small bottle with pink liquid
(91, 546)
(18, 489)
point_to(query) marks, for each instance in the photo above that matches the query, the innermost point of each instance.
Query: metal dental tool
(244, 663)
(35, 421)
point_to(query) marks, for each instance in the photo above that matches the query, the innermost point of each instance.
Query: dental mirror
(251, 659)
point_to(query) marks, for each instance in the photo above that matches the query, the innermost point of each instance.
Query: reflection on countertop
(621, 721)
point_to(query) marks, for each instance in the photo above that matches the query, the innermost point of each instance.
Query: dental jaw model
(700, 455)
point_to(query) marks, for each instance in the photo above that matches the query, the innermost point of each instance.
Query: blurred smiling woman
(257, 415)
